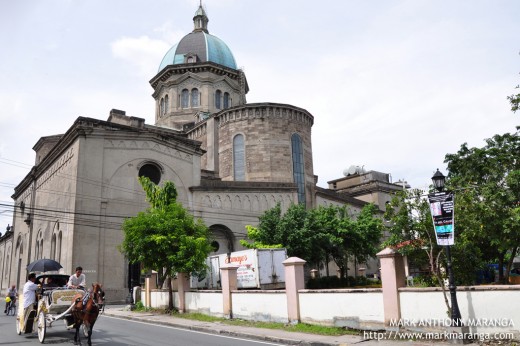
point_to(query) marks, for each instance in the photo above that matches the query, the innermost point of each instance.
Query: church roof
(201, 45)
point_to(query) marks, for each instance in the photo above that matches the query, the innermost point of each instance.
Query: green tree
(277, 230)
(514, 100)
(319, 235)
(412, 234)
(165, 237)
(322, 226)
(488, 212)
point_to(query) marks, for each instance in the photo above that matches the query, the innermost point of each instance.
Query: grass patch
(199, 317)
(300, 327)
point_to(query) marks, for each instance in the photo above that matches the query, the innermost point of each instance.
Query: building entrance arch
(222, 239)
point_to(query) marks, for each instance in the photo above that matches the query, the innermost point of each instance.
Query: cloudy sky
(393, 85)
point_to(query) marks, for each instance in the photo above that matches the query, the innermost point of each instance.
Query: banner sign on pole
(441, 207)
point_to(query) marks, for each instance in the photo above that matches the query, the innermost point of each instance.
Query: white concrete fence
(485, 309)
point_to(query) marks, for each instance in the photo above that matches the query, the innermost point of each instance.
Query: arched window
(152, 172)
(161, 108)
(58, 247)
(166, 101)
(185, 98)
(53, 247)
(298, 173)
(218, 96)
(39, 244)
(239, 158)
(194, 97)
(8, 263)
(226, 100)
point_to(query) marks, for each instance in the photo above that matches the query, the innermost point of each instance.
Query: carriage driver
(77, 280)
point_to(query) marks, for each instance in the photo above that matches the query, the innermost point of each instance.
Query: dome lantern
(200, 20)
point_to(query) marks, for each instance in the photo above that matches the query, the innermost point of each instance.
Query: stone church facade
(229, 160)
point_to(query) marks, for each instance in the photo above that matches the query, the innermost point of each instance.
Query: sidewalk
(269, 335)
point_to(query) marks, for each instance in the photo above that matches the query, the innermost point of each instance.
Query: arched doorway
(222, 239)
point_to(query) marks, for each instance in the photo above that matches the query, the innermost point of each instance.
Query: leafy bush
(425, 280)
(139, 306)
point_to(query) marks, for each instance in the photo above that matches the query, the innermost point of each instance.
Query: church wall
(236, 209)
(48, 206)
(56, 192)
(21, 236)
(6, 245)
(267, 133)
(109, 169)
(206, 82)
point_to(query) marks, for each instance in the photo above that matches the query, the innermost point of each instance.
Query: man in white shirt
(77, 280)
(29, 294)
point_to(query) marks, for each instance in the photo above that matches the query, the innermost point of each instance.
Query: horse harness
(99, 294)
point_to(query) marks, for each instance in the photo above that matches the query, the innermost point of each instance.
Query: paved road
(119, 332)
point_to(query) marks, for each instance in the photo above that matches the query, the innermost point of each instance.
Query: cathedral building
(230, 161)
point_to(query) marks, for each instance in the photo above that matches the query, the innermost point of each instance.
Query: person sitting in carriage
(49, 283)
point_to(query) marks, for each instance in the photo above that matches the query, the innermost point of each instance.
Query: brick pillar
(150, 284)
(392, 277)
(294, 281)
(228, 280)
(183, 286)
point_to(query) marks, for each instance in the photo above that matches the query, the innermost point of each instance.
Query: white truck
(258, 268)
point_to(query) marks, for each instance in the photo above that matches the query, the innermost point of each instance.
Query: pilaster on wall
(149, 286)
(212, 163)
(294, 281)
(183, 286)
(228, 280)
(392, 277)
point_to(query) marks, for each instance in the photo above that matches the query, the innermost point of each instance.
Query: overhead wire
(218, 215)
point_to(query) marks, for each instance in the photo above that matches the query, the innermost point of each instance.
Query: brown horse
(87, 313)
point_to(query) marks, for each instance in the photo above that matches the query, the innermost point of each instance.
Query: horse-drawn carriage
(57, 302)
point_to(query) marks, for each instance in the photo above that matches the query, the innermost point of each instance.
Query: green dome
(205, 47)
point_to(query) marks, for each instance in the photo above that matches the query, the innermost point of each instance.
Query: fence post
(392, 277)
(294, 281)
(183, 286)
(228, 281)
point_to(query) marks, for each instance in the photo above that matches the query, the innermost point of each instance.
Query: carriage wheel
(18, 327)
(42, 326)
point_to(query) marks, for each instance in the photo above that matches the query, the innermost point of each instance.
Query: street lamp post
(439, 180)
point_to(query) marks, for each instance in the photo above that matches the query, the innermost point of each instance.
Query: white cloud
(143, 52)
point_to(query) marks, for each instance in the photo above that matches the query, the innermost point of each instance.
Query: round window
(215, 245)
(152, 172)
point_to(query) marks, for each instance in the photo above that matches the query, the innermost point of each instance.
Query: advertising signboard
(441, 207)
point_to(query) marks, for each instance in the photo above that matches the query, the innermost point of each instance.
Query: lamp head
(438, 180)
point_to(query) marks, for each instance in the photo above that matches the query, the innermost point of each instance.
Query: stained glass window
(239, 158)
(298, 165)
